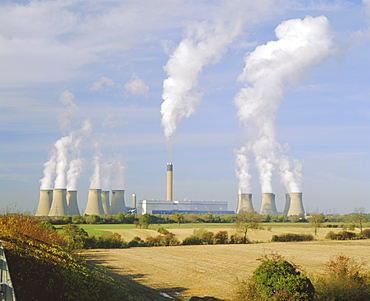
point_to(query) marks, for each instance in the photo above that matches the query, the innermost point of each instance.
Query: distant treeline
(142, 220)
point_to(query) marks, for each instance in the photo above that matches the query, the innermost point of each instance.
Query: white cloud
(104, 81)
(136, 86)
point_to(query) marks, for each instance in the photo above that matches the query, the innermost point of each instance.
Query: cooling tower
(268, 206)
(46, 197)
(244, 203)
(287, 204)
(118, 202)
(59, 204)
(105, 201)
(169, 182)
(72, 206)
(296, 204)
(94, 205)
(133, 200)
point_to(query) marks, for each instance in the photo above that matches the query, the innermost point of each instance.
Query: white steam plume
(118, 169)
(202, 45)
(242, 171)
(106, 175)
(300, 44)
(64, 118)
(291, 174)
(95, 181)
(49, 172)
(62, 158)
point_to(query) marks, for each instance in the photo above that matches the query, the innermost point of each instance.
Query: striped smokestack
(105, 201)
(296, 204)
(72, 206)
(244, 203)
(46, 197)
(94, 205)
(169, 182)
(118, 202)
(59, 204)
(268, 206)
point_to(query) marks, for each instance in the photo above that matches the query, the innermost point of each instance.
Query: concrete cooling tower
(72, 206)
(169, 182)
(287, 204)
(268, 206)
(244, 203)
(105, 201)
(94, 205)
(296, 204)
(46, 198)
(59, 203)
(118, 202)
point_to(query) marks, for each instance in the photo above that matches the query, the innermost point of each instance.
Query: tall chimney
(287, 203)
(296, 204)
(118, 202)
(72, 206)
(105, 201)
(94, 205)
(59, 204)
(46, 197)
(244, 203)
(133, 200)
(268, 206)
(169, 182)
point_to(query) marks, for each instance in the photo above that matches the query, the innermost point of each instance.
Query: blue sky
(102, 63)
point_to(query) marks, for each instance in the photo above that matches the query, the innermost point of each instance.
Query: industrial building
(185, 207)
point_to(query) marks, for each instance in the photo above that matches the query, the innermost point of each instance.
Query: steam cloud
(300, 44)
(203, 44)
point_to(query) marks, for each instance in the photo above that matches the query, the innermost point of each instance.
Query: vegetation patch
(292, 237)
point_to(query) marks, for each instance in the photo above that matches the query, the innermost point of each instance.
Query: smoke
(118, 172)
(203, 44)
(49, 172)
(300, 44)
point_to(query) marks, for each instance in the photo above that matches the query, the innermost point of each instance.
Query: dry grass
(213, 270)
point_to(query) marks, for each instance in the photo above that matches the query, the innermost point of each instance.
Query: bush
(205, 235)
(169, 239)
(276, 280)
(292, 237)
(344, 235)
(345, 279)
(238, 239)
(192, 240)
(221, 237)
(366, 233)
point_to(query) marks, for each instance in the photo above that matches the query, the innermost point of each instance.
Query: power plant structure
(59, 203)
(133, 200)
(169, 182)
(46, 198)
(105, 201)
(94, 205)
(118, 202)
(72, 206)
(295, 204)
(268, 206)
(244, 203)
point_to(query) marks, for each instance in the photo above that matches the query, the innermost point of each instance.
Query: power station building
(185, 207)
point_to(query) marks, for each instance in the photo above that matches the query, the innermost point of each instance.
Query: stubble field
(213, 270)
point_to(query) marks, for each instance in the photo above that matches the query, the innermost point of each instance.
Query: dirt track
(186, 271)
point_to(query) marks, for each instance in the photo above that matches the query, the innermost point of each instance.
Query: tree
(146, 220)
(177, 217)
(245, 221)
(75, 236)
(316, 220)
(358, 218)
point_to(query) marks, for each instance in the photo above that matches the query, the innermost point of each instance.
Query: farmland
(186, 271)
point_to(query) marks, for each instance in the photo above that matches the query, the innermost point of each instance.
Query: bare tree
(245, 221)
(316, 220)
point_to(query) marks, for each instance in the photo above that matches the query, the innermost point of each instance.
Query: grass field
(129, 231)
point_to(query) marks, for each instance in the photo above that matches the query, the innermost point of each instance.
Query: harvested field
(213, 270)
